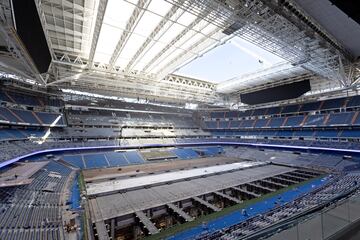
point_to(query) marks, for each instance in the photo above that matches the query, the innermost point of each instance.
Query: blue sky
(234, 58)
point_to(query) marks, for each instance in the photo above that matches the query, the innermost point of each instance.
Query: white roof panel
(131, 183)
(160, 7)
(108, 39)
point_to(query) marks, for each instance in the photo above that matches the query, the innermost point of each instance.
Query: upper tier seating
(312, 106)
(340, 118)
(325, 105)
(28, 99)
(333, 103)
(290, 109)
(111, 118)
(19, 116)
(354, 101)
(294, 121)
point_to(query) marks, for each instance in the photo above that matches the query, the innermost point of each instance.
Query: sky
(234, 58)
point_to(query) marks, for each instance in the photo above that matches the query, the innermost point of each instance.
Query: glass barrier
(325, 224)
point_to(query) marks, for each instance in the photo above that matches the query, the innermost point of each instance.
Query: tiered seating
(315, 120)
(26, 116)
(185, 153)
(261, 123)
(312, 106)
(333, 103)
(354, 101)
(48, 118)
(133, 157)
(116, 159)
(95, 161)
(350, 133)
(75, 160)
(6, 115)
(223, 124)
(24, 98)
(217, 114)
(9, 134)
(290, 109)
(276, 122)
(19, 116)
(33, 211)
(294, 121)
(247, 123)
(340, 118)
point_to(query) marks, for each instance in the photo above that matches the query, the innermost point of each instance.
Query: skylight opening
(234, 58)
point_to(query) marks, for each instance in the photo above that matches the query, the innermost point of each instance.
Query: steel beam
(130, 25)
(206, 204)
(179, 211)
(146, 222)
(98, 23)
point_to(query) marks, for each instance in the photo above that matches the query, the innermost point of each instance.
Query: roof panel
(186, 19)
(118, 13)
(129, 50)
(150, 54)
(108, 39)
(160, 7)
(147, 24)
(171, 33)
(164, 61)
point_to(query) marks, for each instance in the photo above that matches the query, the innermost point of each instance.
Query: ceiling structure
(131, 47)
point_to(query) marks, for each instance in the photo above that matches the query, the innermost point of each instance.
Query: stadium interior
(179, 119)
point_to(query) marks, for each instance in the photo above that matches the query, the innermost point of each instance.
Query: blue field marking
(252, 210)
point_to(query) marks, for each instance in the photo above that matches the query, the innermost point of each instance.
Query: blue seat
(303, 133)
(354, 101)
(294, 121)
(333, 103)
(357, 120)
(27, 116)
(211, 124)
(185, 153)
(7, 115)
(290, 109)
(217, 114)
(273, 110)
(231, 114)
(276, 122)
(47, 118)
(75, 160)
(234, 124)
(284, 133)
(259, 112)
(311, 106)
(261, 123)
(95, 161)
(326, 133)
(246, 113)
(223, 124)
(116, 159)
(247, 123)
(340, 118)
(351, 133)
(315, 120)
(133, 157)
(5, 134)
